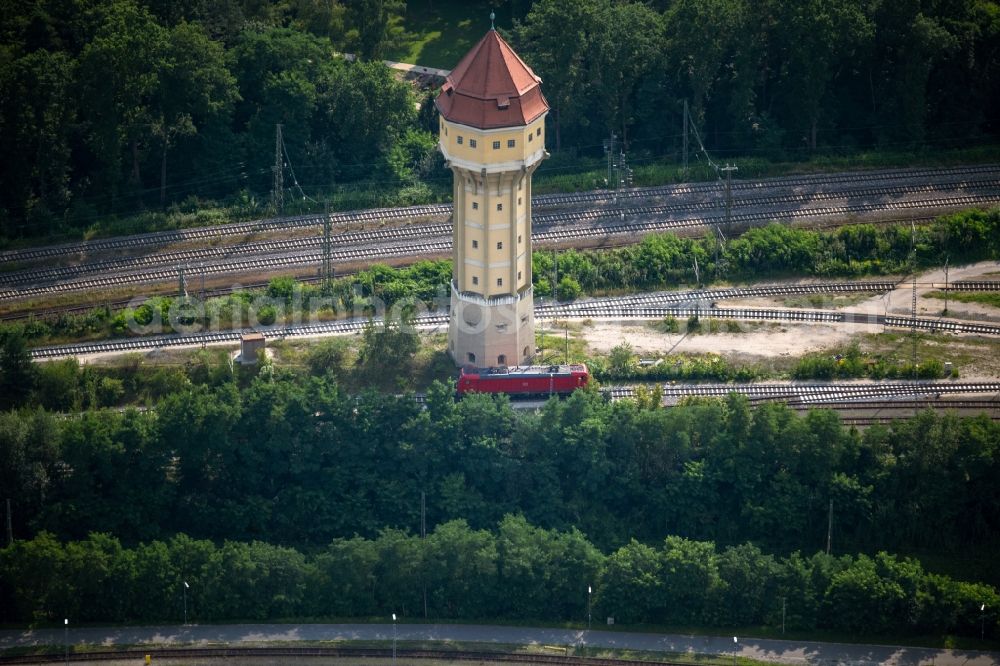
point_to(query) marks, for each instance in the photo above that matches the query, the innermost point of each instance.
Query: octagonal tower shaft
(492, 135)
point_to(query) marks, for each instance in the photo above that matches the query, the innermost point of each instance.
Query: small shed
(250, 345)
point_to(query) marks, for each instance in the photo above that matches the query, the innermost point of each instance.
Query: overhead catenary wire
(291, 170)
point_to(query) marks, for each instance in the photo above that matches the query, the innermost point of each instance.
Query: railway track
(237, 653)
(596, 310)
(974, 285)
(566, 310)
(541, 202)
(711, 295)
(775, 314)
(648, 298)
(812, 393)
(226, 267)
(898, 404)
(370, 252)
(545, 225)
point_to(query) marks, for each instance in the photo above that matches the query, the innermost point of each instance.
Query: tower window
(475, 205)
(538, 131)
(499, 282)
(472, 143)
(519, 275)
(475, 244)
(460, 139)
(519, 201)
(519, 238)
(445, 129)
(472, 357)
(475, 279)
(500, 245)
(499, 206)
(530, 136)
(511, 143)
(496, 145)
(502, 359)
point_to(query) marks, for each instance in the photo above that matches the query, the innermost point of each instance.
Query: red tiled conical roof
(491, 87)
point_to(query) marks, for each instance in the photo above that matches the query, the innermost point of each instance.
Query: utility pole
(946, 286)
(182, 286)
(684, 133)
(913, 297)
(624, 173)
(829, 529)
(609, 146)
(327, 251)
(423, 535)
(697, 278)
(782, 616)
(10, 526)
(567, 344)
(278, 189)
(729, 192)
(555, 283)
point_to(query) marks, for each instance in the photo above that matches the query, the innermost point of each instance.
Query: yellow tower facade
(492, 135)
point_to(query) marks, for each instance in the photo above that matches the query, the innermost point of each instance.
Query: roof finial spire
(492, 18)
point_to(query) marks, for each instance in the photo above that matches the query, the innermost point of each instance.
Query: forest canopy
(298, 461)
(116, 107)
(290, 498)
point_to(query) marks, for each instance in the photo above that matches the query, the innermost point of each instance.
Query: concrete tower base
(495, 331)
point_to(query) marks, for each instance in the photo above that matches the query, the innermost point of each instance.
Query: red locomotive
(530, 380)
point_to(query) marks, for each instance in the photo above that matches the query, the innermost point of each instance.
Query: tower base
(491, 332)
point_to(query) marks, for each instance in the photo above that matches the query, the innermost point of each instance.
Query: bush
(569, 289)
(110, 391)
(327, 356)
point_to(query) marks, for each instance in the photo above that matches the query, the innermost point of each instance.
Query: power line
(687, 119)
(327, 251)
(729, 169)
(278, 187)
(292, 171)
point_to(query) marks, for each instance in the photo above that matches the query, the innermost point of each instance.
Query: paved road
(826, 654)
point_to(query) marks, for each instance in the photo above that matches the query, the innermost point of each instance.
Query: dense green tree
(29, 459)
(559, 36)
(17, 374)
(196, 86)
(120, 75)
(372, 26)
(810, 44)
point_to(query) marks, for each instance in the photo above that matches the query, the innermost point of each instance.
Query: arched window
(472, 357)
(525, 353)
(502, 359)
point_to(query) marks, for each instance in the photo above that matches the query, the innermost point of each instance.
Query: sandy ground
(756, 341)
(764, 341)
